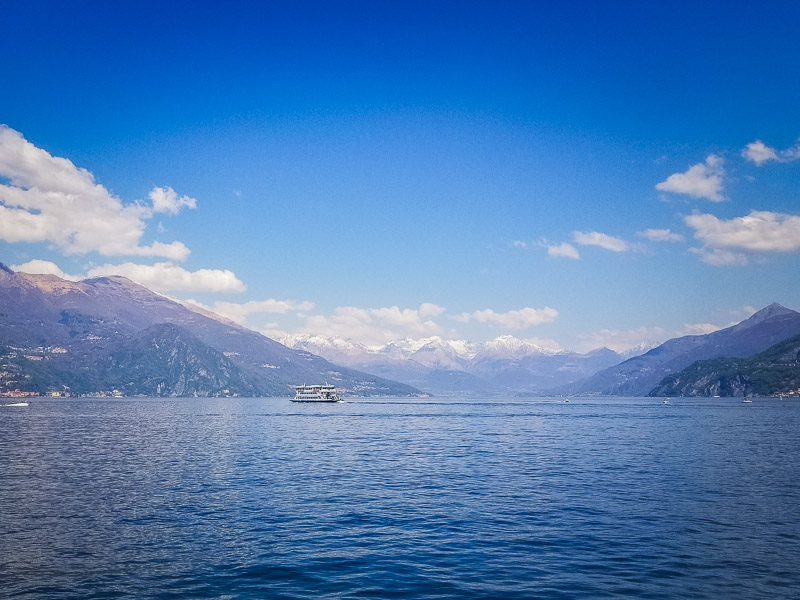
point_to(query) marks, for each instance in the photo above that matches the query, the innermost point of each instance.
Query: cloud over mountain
(161, 277)
(49, 199)
(169, 277)
(373, 326)
(513, 319)
(619, 339)
(44, 267)
(240, 311)
(698, 329)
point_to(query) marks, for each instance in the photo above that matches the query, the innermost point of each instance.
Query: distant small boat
(23, 403)
(747, 400)
(665, 401)
(566, 400)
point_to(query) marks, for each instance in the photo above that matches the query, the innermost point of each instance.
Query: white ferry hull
(317, 400)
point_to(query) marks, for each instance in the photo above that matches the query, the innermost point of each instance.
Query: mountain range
(639, 376)
(110, 334)
(505, 365)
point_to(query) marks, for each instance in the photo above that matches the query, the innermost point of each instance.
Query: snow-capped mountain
(437, 353)
(406, 348)
(433, 352)
(505, 364)
(638, 350)
(511, 348)
(340, 350)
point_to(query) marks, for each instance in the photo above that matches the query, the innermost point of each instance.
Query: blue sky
(583, 174)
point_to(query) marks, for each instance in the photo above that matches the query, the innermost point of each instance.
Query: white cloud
(564, 249)
(376, 326)
(660, 235)
(429, 309)
(759, 153)
(703, 180)
(513, 319)
(239, 312)
(620, 340)
(173, 251)
(558, 250)
(729, 241)
(44, 267)
(273, 331)
(48, 199)
(351, 323)
(593, 238)
(520, 244)
(717, 257)
(743, 312)
(165, 200)
(165, 276)
(414, 323)
(161, 277)
(697, 329)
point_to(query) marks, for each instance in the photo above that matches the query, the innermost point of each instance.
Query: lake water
(265, 498)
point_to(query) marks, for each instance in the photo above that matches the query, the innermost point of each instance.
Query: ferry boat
(316, 393)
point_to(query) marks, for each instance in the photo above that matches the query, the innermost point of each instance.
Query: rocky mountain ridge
(641, 374)
(770, 373)
(51, 327)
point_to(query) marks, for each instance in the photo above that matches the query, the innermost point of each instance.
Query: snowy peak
(507, 347)
(397, 350)
(638, 350)
(407, 348)
(433, 352)
(437, 353)
(328, 347)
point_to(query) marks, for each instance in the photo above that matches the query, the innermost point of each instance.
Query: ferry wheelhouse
(316, 393)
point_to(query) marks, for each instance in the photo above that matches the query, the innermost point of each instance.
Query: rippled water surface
(264, 498)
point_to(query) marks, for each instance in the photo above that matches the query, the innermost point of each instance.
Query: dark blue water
(263, 498)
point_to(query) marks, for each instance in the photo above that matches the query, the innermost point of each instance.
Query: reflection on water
(263, 498)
